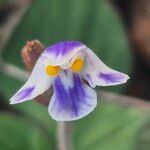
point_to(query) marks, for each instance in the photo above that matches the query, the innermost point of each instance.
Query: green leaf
(31, 108)
(144, 137)
(18, 133)
(95, 24)
(110, 127)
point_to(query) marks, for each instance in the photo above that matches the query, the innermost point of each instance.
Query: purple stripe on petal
(89, 79)
(72, 102)
(111, 77)
(26, 93)
(63, 48)
(68, 99)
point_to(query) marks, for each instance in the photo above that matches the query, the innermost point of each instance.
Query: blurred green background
(98, 25)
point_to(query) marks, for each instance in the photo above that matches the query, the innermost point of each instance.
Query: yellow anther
(52, 70)
(77, 65)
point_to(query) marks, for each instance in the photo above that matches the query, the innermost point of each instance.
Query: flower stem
(64, 136)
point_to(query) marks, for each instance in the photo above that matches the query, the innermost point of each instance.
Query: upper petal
(37, 83)
(72, 99)
(62, 52)
(97, 73)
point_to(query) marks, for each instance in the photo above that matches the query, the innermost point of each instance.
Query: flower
(64, 65)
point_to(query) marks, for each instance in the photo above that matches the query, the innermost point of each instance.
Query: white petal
(80, 54)
(72, 99)
(37, 83)
(97, 73)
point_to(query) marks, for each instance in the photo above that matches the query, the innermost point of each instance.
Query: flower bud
(31, 52)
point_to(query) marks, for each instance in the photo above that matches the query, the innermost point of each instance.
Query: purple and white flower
(64, 66)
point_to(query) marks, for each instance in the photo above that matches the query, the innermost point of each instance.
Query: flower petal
(97, 73)
(37, 83)
(72, 99)
(62, 52)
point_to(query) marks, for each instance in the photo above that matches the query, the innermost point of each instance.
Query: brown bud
(30, 53)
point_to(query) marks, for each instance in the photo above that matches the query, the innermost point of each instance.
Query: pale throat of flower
(77, 66)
